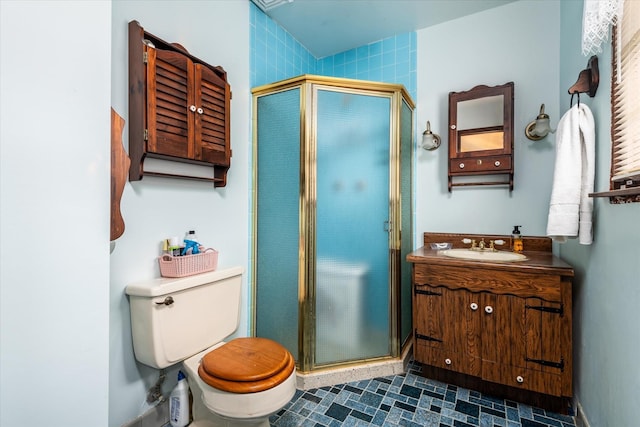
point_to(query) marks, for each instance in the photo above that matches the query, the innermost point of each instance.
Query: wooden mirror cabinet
(481, 136)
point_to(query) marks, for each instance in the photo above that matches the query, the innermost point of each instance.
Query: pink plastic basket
(188, 265)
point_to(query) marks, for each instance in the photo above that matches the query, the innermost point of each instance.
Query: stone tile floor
(408, 400)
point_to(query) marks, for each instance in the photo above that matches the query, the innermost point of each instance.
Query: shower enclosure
(332, 218)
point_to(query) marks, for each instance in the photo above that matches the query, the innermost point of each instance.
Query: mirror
(481, 134)
(480, 124)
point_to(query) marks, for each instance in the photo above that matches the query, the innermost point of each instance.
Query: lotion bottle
(179, 403)
(516, 239)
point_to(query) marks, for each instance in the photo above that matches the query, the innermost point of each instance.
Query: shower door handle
(387, 226)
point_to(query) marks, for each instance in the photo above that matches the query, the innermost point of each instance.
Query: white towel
(571, 208)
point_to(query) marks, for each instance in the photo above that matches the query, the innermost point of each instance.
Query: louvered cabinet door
(212, 117)
(170, 99)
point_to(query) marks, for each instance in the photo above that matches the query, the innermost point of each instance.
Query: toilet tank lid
(163, 285)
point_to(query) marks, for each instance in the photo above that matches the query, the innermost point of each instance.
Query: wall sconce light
(540, 127)
(430, 140)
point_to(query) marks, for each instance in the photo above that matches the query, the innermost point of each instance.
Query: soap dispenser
(516, 239)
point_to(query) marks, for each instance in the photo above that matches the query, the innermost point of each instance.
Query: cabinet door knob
(497, 163)
(519, 379)
(192, 108)
(488, 309)
(474, 306)
(447, 361)
(461, 165)
(200, 110)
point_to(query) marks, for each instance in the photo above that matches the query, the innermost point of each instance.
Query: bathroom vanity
(502, 328)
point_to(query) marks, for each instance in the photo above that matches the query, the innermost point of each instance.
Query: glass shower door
(278, 203)
(352, 216)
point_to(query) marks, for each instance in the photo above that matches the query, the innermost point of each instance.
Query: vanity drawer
(485, 164)
(518, 377)
(524, 285)
(440, 358)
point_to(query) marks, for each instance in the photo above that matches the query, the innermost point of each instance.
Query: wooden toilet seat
(246, 365)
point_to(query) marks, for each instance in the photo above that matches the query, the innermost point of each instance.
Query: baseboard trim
(357, 372)
(156, 416)
(581, 417)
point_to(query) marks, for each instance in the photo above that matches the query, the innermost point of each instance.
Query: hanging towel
(571, 208)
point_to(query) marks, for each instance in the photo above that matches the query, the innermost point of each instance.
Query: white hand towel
(588, 133)
(570, 209)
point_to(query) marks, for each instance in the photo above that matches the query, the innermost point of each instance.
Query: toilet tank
(173, 319)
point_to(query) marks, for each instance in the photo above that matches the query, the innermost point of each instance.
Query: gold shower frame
(309, 85)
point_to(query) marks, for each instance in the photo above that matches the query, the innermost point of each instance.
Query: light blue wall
(607, 290)
(54, 213)
(155, 208)
(490, 48)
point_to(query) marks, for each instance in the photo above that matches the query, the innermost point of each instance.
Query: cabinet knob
(453, 127)
(447, 361)
(474, 306)
(488, 309)
(519, 379)
(497, 163)
(192, 108)
(461, 165)
(200, 110)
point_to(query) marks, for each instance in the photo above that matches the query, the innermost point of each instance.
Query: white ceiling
(327, 27)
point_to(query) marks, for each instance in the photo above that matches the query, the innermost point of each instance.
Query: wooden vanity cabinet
(179, 108)
(506, 332)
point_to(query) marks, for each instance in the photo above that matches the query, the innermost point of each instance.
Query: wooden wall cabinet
(501, 331)
(481, 135)
(179, 108)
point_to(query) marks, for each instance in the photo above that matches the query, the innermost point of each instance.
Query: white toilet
(238, 383)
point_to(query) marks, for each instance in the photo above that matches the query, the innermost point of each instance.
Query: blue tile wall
(276, 55)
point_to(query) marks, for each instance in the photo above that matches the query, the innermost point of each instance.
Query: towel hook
(571, 104)
(588, 79)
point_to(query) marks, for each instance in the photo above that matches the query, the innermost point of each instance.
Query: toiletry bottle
(174, 246)
(191, 245)
(516, 239)
(191, 235)
(179, 403)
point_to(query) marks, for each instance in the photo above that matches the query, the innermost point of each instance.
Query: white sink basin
(484, 255)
